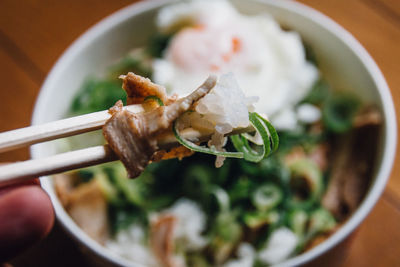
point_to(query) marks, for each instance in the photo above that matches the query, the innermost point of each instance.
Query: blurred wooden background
(34, 33)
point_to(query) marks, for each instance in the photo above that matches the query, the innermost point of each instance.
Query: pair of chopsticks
(26, 170)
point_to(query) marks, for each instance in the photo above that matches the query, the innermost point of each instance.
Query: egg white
(271, 63)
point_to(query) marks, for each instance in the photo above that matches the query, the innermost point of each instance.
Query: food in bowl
(242, 213)
(135, 137)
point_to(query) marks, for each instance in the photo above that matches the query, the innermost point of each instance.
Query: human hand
(26, 216)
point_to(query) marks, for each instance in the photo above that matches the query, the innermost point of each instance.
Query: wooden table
(34, 33)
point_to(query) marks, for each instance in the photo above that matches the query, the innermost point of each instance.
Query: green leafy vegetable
(131, 190)
(86, 174)
(249, 168)
(273, 170)
(123, 215)
(97, 95)
(109, 191)
(241, 189)
(225, 233)
(158, 43)
(197, 260)
(130, 63)
(338, 112)
(318, 94)
(197, 184)
(288, 140)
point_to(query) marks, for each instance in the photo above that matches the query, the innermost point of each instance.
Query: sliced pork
(352, 166)
(133, 137)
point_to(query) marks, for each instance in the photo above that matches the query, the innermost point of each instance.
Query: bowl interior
(342, 61)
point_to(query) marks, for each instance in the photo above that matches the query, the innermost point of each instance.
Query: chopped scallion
(267, 197)
(154, 98)
(192, 146)
(261, 125)
(268, 135)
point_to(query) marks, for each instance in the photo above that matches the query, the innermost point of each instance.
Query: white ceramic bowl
(343, 61)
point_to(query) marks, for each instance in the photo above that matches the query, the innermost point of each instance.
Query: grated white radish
(191, 222)
(223, 109)
(131, 244)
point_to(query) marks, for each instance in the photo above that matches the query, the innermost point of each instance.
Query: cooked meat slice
(370, 115)
(63, 185)
(161, 239)
(138, 88)
(318, 239)
(295, 154)
(88, 208)
(352, 170)
(319, 155)
(116, 108)
(133, 137)
(127, 137)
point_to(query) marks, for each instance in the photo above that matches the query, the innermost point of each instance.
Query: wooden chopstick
(26, 170)
(53, 130)
(30, 169)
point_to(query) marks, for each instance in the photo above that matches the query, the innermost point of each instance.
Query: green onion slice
(297, 220)
(266, 197)
(222, 198)
(192, 146)
(321, 221)
(256, 219)
(155, 98)
(240, 142)
(304, 169)
(268, 135)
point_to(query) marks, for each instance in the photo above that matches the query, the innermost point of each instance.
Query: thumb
(26, 216)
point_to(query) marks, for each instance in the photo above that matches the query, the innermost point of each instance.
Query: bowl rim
(389, 131)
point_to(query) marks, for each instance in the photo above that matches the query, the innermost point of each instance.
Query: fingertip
(26, 216)
(8, 188)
